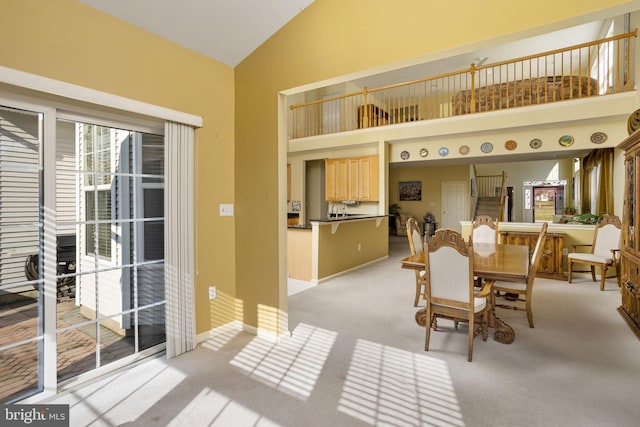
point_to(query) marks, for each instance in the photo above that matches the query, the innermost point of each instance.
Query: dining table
(491, 262)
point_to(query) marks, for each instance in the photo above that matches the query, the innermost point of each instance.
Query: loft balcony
(594, 69)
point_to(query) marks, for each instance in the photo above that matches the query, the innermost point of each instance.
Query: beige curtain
(179, 264)
(604, 195)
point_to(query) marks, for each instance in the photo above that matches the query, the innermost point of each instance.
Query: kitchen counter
(347, 218)
(329, 247)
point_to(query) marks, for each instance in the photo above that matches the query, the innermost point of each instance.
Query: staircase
(491, 195)
(489, 206)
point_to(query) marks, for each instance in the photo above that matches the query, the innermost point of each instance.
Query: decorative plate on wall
(566, 140)
(464, 150)
(404, 155)
(443, 151)
(486, 147)
(535, 143)
(510, 145)
(424, 152)
(598, 137)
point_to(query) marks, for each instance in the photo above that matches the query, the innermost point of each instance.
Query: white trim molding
(84, 94)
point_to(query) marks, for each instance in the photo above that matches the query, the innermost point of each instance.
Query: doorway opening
(548, 201)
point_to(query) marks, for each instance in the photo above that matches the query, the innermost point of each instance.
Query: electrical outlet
(359, 247)
(226, 209)
(212, 292)
(565, 251)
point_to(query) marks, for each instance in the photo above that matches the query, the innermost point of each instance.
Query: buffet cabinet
(630, 250)
(551, 259)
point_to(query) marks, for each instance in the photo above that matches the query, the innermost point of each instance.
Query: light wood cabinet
(336, 172)
(353, 178)
(551, 259)
(630, 250)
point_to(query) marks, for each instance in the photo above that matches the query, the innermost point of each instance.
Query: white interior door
(455, 204)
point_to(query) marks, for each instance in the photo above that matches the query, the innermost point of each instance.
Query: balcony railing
(595, 68)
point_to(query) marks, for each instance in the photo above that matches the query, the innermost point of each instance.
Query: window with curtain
(596, 182)
(103, 191)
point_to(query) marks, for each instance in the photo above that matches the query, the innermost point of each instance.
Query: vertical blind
(179, 238)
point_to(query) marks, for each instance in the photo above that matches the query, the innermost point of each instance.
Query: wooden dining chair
(415, 245)
(523, 291)
(449, 288)
(604, 250)
(484, 230)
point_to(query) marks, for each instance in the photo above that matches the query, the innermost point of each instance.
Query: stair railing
(493, 186)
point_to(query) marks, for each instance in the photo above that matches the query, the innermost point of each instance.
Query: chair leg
(417, 297)
(529, 312)
(427, 336)
(593, 273)
(570, 269)
(603, 272)
(471, 332)
(485, 325)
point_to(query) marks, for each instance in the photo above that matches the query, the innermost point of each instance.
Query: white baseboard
(353, 269)
(238, 326)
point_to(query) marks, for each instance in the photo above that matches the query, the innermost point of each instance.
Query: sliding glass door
(81, 247)
(21, 252)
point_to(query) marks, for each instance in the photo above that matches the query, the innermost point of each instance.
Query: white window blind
(179, 239)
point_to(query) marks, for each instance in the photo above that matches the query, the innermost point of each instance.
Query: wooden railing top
(471, 69)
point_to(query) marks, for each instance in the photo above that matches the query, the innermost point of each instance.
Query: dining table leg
(503, 332)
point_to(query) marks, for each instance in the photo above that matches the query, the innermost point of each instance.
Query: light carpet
(356, 358)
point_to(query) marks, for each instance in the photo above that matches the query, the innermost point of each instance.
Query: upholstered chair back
(484, 230)
(449, 274)
(607, 238)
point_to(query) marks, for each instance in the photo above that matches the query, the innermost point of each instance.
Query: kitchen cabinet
(352, 178)
(630, 248)
(336, 172)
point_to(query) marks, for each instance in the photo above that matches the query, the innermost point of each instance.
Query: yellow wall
(432, 178)
(332, 38)
(239, 159)
(68, 41)
(353, 244)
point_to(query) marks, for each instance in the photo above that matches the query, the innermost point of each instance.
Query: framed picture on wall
(410, 190)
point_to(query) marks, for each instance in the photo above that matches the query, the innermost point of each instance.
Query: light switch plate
(226, 209)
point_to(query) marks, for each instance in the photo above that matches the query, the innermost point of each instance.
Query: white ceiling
(225, 30)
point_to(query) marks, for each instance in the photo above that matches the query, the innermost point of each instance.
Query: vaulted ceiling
(225, 30)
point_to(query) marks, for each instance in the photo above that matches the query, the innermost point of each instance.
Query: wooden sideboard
(630, 248)
(551, 259)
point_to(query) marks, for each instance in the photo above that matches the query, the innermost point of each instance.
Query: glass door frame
(47, 373)
(48, 384)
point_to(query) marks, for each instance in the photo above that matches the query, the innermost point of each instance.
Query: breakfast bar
(339, 244)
